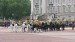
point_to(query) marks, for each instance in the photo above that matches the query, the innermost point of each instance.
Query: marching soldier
(42, 25)
(34, 25)
(12, 27)
(16, 27)
(24, 26)
(45, 26)
(53, 25)
(73, 25)
(63, 25)
(58, 25)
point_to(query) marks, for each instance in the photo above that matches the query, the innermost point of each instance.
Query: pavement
(68, 35)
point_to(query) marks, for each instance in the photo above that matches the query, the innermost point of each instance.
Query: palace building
(59, 9)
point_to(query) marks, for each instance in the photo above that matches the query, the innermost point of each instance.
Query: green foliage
(15, 9)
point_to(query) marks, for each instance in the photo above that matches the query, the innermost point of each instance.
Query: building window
(58, 1)
(41, 2)
(64, 7)
(74, 8)
(63, 1)
(58, 9)
(37, 1)
(69, 8)
(37, 8)
(52, 1)
(50, 7)
(70, 1)
(49, 1)
(53, 10)
(74, 1)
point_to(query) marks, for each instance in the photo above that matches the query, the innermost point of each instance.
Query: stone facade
(59, 8)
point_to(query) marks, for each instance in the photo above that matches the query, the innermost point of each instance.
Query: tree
(15, 9)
